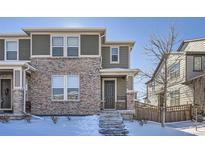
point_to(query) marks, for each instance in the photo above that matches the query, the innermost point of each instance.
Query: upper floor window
(175, 98)
(11, 50)
(114, 55)
(174, 70)
(72, 46)
(57, 46)
(197, 63)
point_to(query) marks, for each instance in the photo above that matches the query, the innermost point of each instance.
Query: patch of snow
(152, 129)
(76, 126)
(189, 127)
(81, 126)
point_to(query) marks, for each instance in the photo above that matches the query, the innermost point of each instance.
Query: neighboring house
(195, 50)
(63, 71)
(186, 69)
(177, 92)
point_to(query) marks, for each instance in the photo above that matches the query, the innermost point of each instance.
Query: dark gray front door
(5, 94)
(109, 94)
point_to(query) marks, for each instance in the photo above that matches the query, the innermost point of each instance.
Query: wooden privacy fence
(152, 113)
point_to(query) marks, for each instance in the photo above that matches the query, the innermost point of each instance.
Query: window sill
(197, 70)
(64, 101)
(71, 57)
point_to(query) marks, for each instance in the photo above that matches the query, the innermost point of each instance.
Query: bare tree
(159, 47)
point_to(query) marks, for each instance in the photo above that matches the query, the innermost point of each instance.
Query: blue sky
(137, 29)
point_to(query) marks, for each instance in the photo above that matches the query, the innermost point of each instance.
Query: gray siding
(124, 58)
(89, 45)
(40, 44)
(24, 49)
(190, 72)
(121, 86)
(1, 49)
(130, 83)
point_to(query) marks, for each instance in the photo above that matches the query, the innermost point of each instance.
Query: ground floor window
(175, 98)
(65, 87)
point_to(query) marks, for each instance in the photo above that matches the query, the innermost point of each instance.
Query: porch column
(18, 91)
(130, 92)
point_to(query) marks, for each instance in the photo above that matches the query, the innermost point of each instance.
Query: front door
(109, 94)
(5, 99)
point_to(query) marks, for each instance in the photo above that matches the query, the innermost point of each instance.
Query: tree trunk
(165, 93)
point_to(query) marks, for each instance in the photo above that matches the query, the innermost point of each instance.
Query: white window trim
(5, 49)
(51, 40)
(52, 88)
(65, 45)
(118, 60)
(78, 36)
(65, 97)
(78, 88)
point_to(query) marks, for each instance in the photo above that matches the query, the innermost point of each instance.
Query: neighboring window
(11, 50)
(57, 46)
(58, 87)
(114, 55)
(73, 87)
(72, 46)
(197, 63)
(174, 70)
(175, 98)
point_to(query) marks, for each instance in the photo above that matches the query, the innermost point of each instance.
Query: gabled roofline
(159, 64)
(189, 40)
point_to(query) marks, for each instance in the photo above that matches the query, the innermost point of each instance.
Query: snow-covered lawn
(79, 126)
(189, 127)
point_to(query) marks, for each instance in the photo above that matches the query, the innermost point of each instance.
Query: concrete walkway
(111, 123)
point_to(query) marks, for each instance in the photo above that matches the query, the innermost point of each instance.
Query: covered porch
(13, 87)
(117, 89)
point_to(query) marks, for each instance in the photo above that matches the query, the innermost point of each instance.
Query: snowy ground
(189, 127)
(80, 126)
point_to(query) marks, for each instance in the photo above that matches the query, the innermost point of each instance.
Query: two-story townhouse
(177, 92)
(64, 71)
(195, 51)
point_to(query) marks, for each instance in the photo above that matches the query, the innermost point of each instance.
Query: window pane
(114, 57)
(73, 41)
(114, 51)
(72, 51)
(73, 81)
(57, 41)
(57, 51)
(73, 93)
(11, 46)
(73, 87)
(197, 63)
(58, 87)
(11, 55)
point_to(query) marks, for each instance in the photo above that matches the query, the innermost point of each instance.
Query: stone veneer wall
(18, 101)
(130, 101)
(40, 86)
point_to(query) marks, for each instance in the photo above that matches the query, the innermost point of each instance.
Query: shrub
(4, 118)
(54, 119)
(28, 118)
